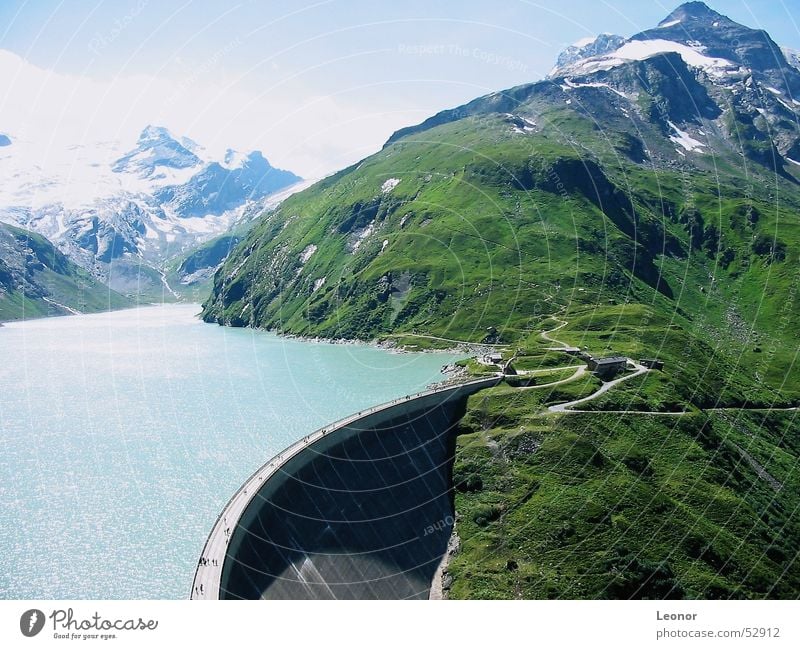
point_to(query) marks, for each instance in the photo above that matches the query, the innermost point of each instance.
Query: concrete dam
(361, 509)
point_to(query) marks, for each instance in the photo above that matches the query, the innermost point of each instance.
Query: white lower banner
(185, 624)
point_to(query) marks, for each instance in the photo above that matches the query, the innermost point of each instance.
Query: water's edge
(125, 433)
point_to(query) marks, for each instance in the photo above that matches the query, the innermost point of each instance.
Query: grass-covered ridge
(490, 228)
(645, 506)
(574, 211)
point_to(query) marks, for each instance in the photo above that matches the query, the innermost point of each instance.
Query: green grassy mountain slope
(646, 201)
(493, 225)
(644, 506)
(496, 218)
(37, 280)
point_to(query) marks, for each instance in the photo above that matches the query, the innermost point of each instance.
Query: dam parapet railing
(208, 574)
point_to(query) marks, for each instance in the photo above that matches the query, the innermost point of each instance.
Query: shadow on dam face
(363, 513)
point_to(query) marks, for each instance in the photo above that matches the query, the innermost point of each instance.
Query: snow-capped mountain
(706, 40)
(103, 207)
(219, 187)
(696, 83)
(157, 153)
(718, 83)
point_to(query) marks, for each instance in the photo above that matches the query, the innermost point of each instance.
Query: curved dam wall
(360, 510)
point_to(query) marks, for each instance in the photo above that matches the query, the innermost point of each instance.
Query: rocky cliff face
(37, 280)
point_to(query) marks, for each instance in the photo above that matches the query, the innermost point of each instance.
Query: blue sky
(317, 85)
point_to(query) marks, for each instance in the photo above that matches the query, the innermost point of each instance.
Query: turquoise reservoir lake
(124, 434)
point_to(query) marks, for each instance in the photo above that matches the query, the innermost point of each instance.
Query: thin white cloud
(51, 117)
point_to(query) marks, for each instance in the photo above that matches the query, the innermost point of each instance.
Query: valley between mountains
(151, 223)
(641, 204)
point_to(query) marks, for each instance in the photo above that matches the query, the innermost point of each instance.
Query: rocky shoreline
(440, 584)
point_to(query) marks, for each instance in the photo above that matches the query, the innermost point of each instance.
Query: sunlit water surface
(124, 434)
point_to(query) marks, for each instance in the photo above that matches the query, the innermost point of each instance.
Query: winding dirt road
(564, 407)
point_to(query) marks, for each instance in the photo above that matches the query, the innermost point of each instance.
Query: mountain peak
(150, 133)
(695, 10)
(236, 159)
(155, 148)
(703, 38)
(257, 156)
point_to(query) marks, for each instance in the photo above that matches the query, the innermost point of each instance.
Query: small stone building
(607, 366)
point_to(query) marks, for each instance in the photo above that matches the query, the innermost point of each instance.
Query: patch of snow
(684, 139)
(199, 224)
(568, 102)
(794, 162)
(527, 127)
(570, 85)
(775, 90)
(389, 185)
(671, 23)
(236, 270)
(318, 284)
(785, 105)
(385, 243)
(739, 71)
(307, 252)
(361, 235)
(597, 63)
(715, 24)
(641, 50)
